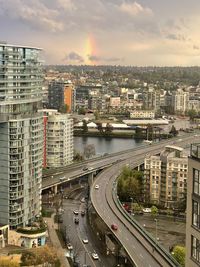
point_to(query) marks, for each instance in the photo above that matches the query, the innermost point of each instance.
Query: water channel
(105, 145)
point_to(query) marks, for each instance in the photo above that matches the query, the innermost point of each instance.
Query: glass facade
(21, 135)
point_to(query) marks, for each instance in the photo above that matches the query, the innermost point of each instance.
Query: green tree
(82, 111)
(85, 127)
(179, 254)
(96, 115)
(154, 210)
(192, 114)
(109, 128)
(130, 185)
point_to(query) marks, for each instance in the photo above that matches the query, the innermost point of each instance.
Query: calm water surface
(105, 145)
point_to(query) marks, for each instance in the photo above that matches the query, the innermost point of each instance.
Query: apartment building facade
(58, 139)
(166, 177)
(193, 208)
(21, 134)
(61, 93)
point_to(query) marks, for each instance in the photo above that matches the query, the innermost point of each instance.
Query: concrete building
(180, 101)
(58, 139)
(21, 134)
(152, 99)
(114, 102)
(193, 208)
(166, 176)
(142, 114)
(61, 93)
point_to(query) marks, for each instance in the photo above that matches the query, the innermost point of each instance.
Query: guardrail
(140, 229)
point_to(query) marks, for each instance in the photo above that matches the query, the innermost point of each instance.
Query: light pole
(156, 221)
(131, 199)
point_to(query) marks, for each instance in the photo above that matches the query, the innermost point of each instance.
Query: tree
(173, 131)
(85, 127)
(109, 128)
(89, 151)
(96, 115)
(130, 185)
(179, 254)
(138, 132)
(78, 156)
(192, 114)
(82, 111)
(154, 210)
(100, 127)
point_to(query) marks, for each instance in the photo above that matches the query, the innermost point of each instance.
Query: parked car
(82, 213)
(76, 212)
(69, 246)
(96, 186)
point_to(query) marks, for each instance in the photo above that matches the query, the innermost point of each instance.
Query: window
(195, 249)
(196, 214)
(196, 182)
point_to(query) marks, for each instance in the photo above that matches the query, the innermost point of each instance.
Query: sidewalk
(55, 241)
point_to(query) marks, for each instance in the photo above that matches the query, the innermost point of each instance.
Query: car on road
(83, 200)
(76, 212)
(85, 168)
(96, 186)
(114, 227)
(82, 213)
(62, 178)
(76, 220)
(90, 168)
(69, 246)
(85, 241)
(95, 256)
(147, 210)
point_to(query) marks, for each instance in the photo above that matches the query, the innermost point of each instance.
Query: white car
(76, 212)
(147, 210)
(95, 256)
(69, 246)
(96, 186)
(85, 241)
(90, 168)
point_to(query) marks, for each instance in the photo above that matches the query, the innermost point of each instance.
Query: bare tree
(89, 151)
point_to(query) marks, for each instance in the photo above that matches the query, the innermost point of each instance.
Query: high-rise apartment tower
(20, 134)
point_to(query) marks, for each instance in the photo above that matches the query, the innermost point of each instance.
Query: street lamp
(131, 199)
(156, 221)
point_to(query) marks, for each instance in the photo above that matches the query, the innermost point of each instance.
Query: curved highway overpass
(140, 247)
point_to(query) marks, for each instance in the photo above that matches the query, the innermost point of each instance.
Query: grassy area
(47, 213)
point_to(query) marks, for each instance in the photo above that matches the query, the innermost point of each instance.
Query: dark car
(76, 220)
(82, 213)
(114, 226)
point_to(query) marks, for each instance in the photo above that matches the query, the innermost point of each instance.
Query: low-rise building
(142, 114)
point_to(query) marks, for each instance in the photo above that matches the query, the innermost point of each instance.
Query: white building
(142, 114)
(59, 140)
(21, 135)
(180, 101)
(166, 177)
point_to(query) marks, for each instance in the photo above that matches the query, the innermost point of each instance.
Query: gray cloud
(176, 37)
(73, 57)
(95, 58)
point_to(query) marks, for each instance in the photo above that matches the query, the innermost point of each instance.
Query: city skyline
(106, 32)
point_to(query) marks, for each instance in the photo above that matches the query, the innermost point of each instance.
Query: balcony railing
(195, 150)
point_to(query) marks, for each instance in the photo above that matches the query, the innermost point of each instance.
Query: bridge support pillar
(55, 189)
(90, 178)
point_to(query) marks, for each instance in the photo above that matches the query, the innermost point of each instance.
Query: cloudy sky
(125, 32)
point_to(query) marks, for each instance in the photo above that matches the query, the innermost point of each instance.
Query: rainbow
(90, 49)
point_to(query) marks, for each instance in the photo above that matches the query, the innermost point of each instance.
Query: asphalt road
(136, 246)
(77, 232)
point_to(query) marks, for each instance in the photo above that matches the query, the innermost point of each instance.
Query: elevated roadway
(142, 250)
